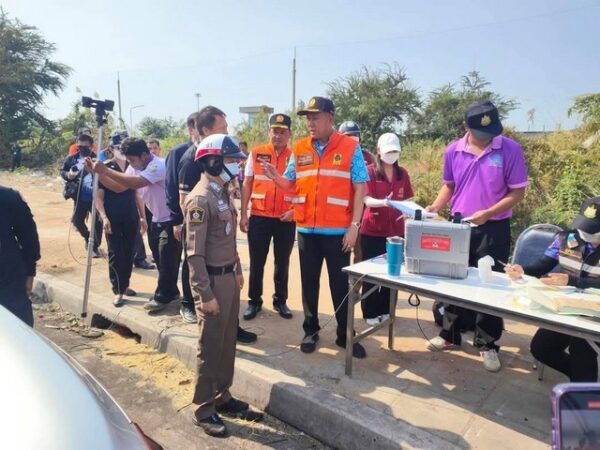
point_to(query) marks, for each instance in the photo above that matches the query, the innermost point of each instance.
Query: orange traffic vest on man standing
(267, 199)
(324, 191)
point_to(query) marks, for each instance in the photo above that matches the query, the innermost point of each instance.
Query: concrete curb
(335, 420)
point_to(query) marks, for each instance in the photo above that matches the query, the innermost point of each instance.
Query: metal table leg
(352, 299)
(393, 302)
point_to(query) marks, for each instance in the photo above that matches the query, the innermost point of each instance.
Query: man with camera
(78, 186)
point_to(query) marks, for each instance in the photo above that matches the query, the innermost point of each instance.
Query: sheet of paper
(408, 208)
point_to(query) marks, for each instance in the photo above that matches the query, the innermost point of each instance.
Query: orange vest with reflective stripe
(324, 191)
(267, 199)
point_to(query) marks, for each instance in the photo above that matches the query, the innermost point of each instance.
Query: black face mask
(216, 169)
(85, 151)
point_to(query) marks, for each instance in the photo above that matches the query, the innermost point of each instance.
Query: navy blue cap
(483, 120)
(280, 121)
(316, 105)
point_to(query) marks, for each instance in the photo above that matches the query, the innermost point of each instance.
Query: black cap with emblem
(280, 121)
(316, 105)
(588, 219)
(483, 120)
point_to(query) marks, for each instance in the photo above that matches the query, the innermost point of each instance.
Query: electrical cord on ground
(297, 346)
(416, 303)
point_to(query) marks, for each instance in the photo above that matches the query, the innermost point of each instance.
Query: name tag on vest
(263, 158)
(305, 160)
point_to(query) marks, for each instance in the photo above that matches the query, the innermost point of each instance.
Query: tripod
(102, 108)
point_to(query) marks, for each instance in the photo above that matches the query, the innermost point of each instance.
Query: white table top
(501, 294)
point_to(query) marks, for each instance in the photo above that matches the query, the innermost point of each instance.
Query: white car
(49, 401)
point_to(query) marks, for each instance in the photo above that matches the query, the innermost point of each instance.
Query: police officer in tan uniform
(216, 279)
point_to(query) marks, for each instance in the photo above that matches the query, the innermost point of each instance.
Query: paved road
(152, 407)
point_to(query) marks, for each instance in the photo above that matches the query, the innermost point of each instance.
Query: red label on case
(439, 243)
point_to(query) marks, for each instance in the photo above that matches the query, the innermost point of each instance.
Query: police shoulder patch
(196, 214)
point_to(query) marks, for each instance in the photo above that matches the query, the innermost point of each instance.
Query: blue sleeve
(172, 186)
(358, 167)
(290, 171)
(553, 249)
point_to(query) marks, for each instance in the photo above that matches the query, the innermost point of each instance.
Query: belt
(212, 270)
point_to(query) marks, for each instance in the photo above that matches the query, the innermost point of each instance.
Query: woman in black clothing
(577, 253)
(122, 223)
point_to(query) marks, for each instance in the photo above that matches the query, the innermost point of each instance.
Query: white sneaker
(491, 362)
(384, 317)
(438, 344)
(373, 322)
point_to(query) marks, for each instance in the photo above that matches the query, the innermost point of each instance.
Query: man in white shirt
(146, 173)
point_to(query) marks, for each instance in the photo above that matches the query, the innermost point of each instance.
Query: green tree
(588, 108)
(379, 100)
(442, 115)
(159, 128)
(27, 76)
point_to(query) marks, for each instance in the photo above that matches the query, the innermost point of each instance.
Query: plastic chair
(529, 248)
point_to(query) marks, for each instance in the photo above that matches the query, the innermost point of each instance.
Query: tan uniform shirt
(211, 224)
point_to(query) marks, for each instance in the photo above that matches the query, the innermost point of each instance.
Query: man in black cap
(328, 174)
(577, 253)
(484, 177)
(271, 217)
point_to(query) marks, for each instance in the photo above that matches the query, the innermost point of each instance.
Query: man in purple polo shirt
(484, 178)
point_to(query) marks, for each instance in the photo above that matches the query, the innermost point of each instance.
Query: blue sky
(239, 53)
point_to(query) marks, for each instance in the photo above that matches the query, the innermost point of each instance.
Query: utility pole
(121, 123)
(198, 101)
(131, 116)
(294, 83)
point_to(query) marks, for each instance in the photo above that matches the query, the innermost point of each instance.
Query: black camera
(89, 102)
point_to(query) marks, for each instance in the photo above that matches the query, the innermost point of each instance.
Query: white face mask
(591, 238)
(234, 168)
(390, 158)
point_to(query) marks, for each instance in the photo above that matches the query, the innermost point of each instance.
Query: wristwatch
(356, 224)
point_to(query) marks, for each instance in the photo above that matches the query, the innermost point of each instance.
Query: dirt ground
(155, 389)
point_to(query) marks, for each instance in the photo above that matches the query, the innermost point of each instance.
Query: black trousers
(378, 303)
(16, 162)
(492, 238)
(260, 232)
(14, 298)
(140, 248)
(166, 251)
(80, 211)
(313, 249)
(580, 364)
(121, 246)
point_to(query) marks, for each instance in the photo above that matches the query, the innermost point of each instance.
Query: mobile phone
(576, 416)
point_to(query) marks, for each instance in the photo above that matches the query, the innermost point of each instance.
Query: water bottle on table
(395, 255)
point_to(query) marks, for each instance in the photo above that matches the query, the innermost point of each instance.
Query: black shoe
(118, 301)
(246, 337)
(239, 410)
(96, 253)
(213, 425)
(251, 311)
(358, 351)
(309, 343)
(130, 292)
(143, 264)
(188, 315)
(283, 310)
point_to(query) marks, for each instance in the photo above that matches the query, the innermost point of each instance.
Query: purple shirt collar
(463, 144)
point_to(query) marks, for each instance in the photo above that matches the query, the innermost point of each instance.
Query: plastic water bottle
(484, 266)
